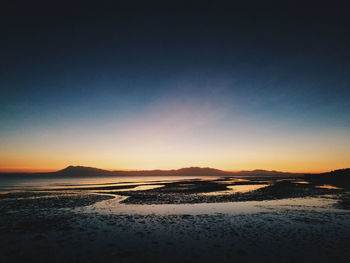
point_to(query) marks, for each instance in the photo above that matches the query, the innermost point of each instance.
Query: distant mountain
(259, 172)
(82, 171)
(92, 171)
(197, 171)
(339, 178)
(339, 172)
(189, 171)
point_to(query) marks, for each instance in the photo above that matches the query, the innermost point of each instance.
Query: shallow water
(328, 186)
(114, 206)
(301, 182)
(139, 187)
(8, 183)
(237, 189)
(232, 180)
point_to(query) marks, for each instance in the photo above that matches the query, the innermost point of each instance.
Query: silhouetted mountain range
(339, 172)
(91, 171)
(190, 171)
(83, 171)
(339, 178)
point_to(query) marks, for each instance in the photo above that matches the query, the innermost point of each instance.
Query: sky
(146, 85)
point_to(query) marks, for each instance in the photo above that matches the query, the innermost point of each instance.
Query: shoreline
(91, 226)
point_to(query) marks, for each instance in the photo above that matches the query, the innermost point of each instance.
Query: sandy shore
(82, 226)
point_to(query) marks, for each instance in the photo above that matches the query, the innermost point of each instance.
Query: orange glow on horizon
(289, 168)
(173, 135)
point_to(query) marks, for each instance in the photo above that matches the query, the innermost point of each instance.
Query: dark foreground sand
(60, 226)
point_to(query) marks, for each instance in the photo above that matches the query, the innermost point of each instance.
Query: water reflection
(328, 186)
(231, 180)
(137, 188)
(114, 206)
(237, 189)
(8, 183)
(301, 182)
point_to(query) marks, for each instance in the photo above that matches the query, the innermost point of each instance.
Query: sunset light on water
(174, 131)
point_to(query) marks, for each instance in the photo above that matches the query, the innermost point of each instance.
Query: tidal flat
(226, 219)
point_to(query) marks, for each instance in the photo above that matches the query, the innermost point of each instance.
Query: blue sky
(137, 88)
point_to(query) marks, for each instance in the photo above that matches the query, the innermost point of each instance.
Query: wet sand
(178, 221)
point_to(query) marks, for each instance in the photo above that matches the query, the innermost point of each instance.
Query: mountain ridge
(86, 171)
(186, 171)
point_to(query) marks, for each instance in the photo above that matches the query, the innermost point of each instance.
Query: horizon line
(46, 170)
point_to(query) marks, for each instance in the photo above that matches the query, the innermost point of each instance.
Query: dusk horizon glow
(134, 89)
(174, 131)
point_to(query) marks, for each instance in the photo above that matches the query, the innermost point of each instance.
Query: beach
(177, 220)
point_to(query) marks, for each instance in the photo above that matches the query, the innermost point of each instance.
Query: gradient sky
(183, 83)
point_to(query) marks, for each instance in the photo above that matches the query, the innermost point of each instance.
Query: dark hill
(339, 172)
(259, 172)
(339, 178)
(82, 171)
(189, 171)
